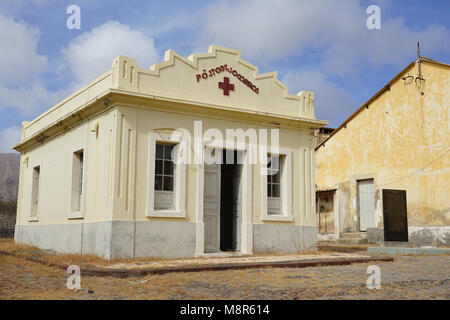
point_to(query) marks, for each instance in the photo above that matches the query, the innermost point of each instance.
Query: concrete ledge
(125, 273)
(403, 250)
(418, 236)
(336, 247)
(139, 272)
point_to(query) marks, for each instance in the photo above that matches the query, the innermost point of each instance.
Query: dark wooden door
(395, 215)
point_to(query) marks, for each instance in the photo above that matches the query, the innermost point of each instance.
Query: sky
(323, 46)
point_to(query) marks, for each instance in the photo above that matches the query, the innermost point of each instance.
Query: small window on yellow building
(35, 192)
(77, 181)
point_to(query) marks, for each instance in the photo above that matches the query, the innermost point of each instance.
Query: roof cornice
(117, 97)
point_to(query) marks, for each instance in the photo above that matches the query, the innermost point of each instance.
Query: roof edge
(376, 95)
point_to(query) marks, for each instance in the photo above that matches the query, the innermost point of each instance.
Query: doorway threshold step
(400, 244)
(351, 241)
(222, 254)
(353, 235)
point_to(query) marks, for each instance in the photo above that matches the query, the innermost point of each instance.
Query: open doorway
(223, 204)
(230, 204)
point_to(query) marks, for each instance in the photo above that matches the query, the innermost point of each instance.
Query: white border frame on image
(179, 182)
(286, 190)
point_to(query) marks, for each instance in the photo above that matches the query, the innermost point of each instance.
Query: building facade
(387, 166)
(101, 171)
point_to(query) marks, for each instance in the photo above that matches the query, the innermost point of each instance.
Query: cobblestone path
(408, 277)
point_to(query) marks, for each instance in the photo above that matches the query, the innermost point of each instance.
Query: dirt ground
(408, 277)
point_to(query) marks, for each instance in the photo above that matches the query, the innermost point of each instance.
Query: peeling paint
(403, 140)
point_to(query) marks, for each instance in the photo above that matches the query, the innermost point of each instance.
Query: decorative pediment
(220, 77)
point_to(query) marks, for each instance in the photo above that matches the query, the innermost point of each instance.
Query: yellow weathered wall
(401, 141)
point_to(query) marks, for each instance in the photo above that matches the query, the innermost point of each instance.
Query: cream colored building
(398, 140)
(96, 173)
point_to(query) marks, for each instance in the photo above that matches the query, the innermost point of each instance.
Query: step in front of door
(353, 235)
(350, 241)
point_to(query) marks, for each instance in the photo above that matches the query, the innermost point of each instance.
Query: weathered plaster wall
(417, 236)
(402, 141)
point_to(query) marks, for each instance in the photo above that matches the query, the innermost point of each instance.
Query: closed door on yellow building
(366, 204)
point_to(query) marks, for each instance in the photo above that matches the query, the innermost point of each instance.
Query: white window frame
(79, 214)
(35, 218)
(179, 183)
(285, 189)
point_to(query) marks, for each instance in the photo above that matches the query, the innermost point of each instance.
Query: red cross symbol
(226, 86)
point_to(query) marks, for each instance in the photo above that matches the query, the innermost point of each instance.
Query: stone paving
(408, 277)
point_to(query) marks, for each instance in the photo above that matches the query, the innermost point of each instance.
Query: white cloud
(22, 68)
(394, 44)
(30, 99)
(267, 29)
(272, 30)
(8, 138)
(91, 54)
(331, 102)
(19, 60)
(87, 56)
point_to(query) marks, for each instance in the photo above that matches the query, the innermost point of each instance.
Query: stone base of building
(272, 238)
(113, 239)
(168, 239)
(418, 236)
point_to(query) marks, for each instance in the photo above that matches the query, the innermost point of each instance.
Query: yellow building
(100, 171)
(397, 140)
